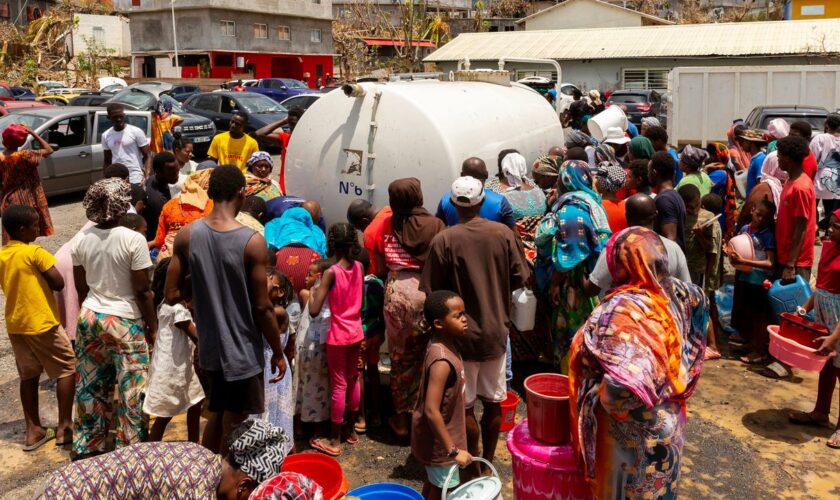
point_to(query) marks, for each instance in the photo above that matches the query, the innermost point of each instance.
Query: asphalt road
(738, 442)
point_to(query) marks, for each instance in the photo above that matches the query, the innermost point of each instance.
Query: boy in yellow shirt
(28, 277)
(234, 147)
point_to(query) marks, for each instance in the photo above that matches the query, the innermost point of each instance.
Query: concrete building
(111, 32)
(641, 57)
(222, 38)
(573, 14)
(20, 12)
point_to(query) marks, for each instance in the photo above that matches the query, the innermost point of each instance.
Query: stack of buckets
(544, 463)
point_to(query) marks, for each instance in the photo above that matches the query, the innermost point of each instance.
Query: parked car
(90, 99)
(195, 126)
(183, 92)
(229, 85)
(66, 91)
(761, 116)
(279, 89)
(302, 101)
(76, 135)
(112, 89)
(7, 107)
(220, 106)
(23, 94)
(640, 104)
(6, 93)
(43, 86)
(55, 100)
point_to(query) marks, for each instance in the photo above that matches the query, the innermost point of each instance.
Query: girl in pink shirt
(342, 285)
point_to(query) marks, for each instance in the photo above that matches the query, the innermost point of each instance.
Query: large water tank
(353, 147)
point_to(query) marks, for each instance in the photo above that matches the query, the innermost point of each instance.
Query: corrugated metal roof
(564, 3)
(770, 38)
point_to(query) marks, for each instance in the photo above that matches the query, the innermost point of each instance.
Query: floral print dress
(20, 183)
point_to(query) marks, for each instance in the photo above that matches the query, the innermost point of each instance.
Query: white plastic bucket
(482, 488)
(524, 312)
(610, 117)
(741, 182)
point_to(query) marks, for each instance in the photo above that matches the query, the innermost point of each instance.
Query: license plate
(201, 139)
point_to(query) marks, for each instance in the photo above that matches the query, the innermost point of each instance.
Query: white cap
(616, 136)
(467, 192)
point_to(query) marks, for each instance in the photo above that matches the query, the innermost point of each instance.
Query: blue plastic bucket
(384, 491)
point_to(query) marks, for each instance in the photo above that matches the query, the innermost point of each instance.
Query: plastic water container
(548, 407)
(785, 298)
(542, 471)
(482, 488)
(524, 311)
(385, 491)
(509, 411)
(324, 470)
(741, 182)
(793, 353)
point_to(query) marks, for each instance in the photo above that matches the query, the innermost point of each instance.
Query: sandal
(351, 439)
(753, 359)
(834, 440)
(49, 435)
(316, 444)
(776, 371)
(807, 418)
(360, 428)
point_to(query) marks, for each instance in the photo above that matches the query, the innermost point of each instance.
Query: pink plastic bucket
(542, 471)
(793, 353)
(509, 411)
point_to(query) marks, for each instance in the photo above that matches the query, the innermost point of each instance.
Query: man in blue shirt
(753, 142)
(495, 207)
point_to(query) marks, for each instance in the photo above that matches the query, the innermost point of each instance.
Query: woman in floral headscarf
(722, 174)
(258, 177)
(513, 183)
(569, 239)
(633, 365)
(20, 182)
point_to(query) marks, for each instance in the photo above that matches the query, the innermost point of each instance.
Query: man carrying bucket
(480, 261)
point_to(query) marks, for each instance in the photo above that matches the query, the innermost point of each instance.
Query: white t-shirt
(109, 256)
(125, 148)
(677, 266)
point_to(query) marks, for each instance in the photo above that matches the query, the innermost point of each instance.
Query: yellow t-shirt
(31, 308)
(159, 126)
(229, 151)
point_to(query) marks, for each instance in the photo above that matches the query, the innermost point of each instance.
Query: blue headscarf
(576, 229)
(295, 227)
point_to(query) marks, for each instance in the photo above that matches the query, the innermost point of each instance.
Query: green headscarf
(641, 148)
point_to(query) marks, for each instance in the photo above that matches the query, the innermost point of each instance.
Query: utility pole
(175, 38)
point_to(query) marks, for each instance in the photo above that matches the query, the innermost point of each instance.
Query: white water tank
(422, 129)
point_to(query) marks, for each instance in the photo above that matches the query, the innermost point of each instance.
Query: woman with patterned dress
(20, 181)
(192, 204)
(258, 177)
(569, 239)
(632, 367)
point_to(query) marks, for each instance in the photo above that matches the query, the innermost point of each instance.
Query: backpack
(828, 173)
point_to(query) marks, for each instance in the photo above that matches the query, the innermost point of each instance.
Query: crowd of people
(209, 289)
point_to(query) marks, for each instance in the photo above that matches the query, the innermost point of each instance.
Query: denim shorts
(437, 475)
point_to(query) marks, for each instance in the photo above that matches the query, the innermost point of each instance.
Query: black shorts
(246, 396)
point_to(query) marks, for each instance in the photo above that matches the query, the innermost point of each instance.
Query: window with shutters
(284, 33)
(228, 28)
(260, 31)
(99, 35)
(315, 36)
(645, 79)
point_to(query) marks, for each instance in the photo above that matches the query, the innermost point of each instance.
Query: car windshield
(293, 84)
(135, 98)
(628, 98)
(31, 121)
(258, 103)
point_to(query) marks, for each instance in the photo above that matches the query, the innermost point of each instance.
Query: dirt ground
(738, 443)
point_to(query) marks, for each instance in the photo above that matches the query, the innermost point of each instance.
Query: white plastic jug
(610, 117)
(524, 311)
(483, 488)
(741, 182)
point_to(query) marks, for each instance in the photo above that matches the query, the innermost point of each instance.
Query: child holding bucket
(440, 402)
(826, 304)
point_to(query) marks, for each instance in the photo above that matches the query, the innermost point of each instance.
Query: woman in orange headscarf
(632, 367)
(192, 204)
(20, 181)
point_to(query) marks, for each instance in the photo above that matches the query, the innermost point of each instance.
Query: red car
(6, 106)
(6, 92)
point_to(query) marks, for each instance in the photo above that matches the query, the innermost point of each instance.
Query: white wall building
(110, 31)
(573, 14)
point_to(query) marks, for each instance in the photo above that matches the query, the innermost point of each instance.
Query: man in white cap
(615, 137)
(481, 261)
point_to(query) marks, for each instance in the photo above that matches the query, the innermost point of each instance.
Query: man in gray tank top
(222, 265)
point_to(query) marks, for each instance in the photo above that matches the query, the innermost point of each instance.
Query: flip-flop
(351, 440)
(806, 418)
(834, 440)
(316, 445)
(49, 435)
(753, 360)
(360, 429)
(775, 370)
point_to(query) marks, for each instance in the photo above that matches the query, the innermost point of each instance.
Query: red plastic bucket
(324, 470)
(509, 411)
(548, 407)
(800, 330)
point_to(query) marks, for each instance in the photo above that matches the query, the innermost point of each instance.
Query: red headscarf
(14, 136)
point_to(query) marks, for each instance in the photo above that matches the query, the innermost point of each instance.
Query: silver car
(76, 135)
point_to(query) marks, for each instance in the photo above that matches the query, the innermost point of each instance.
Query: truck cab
(279, 89)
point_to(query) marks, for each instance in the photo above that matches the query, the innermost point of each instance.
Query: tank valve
(353, 90)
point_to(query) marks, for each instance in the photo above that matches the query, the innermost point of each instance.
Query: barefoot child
(438, 428)
(751, 306)
(28, 277)
(173, 387)
(342, 284)
(826, 304)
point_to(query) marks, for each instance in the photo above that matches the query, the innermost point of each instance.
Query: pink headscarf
(778, 128)
(773, 176)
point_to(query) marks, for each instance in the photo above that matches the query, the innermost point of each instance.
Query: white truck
(704, 101)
